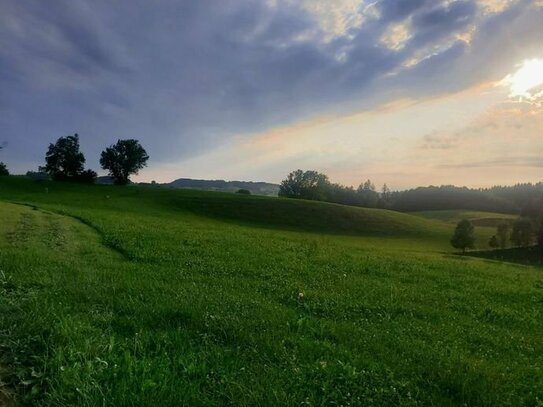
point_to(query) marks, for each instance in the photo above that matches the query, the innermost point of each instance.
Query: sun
(527, 82)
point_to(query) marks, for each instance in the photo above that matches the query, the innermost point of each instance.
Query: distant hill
(256, 188)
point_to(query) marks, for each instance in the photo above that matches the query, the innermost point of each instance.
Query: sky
(404, 92)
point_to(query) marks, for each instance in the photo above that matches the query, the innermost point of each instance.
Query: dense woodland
(523, 199)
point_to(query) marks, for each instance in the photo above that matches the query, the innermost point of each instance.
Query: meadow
(123, 296)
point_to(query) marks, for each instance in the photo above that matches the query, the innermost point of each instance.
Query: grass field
(485, 222)
(113, 296)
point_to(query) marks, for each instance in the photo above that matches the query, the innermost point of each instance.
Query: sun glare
(527, 82)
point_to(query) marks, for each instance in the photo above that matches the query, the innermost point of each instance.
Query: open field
(140, 296)
(485, 222)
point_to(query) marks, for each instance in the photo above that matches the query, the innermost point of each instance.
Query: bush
(493, 242)
(243, 192)
(87, 177)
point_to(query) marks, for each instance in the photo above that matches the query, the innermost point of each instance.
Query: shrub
(87, 177)
(493, 242)
(243, 192)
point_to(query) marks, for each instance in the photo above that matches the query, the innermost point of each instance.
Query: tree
(540, 236)
(522, 234)
(368, 196)
(385, 197)
(305, 185)
(464, 236)
(3, 170)
(243, 192)
(502, 235)
(124, 158)
(63, 160)
(385, 193)
(493, 242)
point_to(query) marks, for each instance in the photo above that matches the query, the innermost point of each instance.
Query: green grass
(532, 256)
(478, 218)
(485, 222)
(133, 296)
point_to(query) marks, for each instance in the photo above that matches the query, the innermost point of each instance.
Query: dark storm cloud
(183, 76)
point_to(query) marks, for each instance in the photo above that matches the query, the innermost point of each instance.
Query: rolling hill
(256, 188)
(143, 296)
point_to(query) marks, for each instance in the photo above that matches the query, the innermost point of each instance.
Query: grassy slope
(185, 297)
(477, 217)
(485, 222)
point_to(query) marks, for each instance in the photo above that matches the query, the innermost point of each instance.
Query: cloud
(187, 77)
(532, 161)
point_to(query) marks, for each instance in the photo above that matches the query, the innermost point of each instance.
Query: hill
(256, 188)
(151, 296)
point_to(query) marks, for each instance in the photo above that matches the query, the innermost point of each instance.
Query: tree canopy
(464, 236)
(124, 158)
(524, 198)
(64, 160)
(305, 185)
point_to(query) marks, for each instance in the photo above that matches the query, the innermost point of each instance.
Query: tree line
(523, 199)
(64, 161)
(316, 186)
(313, 185)
(525, 231)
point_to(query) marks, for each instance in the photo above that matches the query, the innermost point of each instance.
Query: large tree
(63, 160)
(124, 158)
(305, 185)
(464, 235)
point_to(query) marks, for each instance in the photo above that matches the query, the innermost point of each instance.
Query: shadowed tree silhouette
(63, 160)
(124, 158)
(3, 169)
(305, 185)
